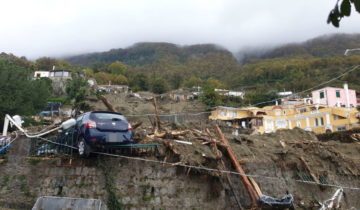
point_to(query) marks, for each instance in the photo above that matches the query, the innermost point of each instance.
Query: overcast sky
(35, 28)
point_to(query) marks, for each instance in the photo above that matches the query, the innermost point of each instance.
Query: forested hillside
(147, 53)
(320, 47)
(291, 67)
(160, 67)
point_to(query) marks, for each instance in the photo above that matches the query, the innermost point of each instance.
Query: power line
(317, 86)
(264, 102)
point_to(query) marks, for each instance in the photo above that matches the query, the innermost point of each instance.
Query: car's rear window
(106, 116)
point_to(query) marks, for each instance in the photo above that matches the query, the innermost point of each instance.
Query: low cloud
(37, 28)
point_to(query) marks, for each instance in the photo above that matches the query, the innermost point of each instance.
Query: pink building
(335, 97)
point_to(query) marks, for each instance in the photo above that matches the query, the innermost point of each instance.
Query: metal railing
(60, 145)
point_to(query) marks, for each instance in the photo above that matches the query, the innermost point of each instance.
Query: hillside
(294, 67)
(147, 53)
(321, 47)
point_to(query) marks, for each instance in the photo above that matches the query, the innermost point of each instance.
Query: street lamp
(346, 53)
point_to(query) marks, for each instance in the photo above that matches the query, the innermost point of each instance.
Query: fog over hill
(329, 45)
(148, 52)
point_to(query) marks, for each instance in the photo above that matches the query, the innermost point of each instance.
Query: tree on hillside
(18, 93)
(209, 96)
(77, 89)
(117, 68)
(215, 83)
(260, 98)
(159, 85)
(175, 79)
(193, 82)
(337, 13)
(103, 78)
(140, 82)
(45, 63)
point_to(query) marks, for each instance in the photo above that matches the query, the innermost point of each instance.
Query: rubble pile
(296, 151)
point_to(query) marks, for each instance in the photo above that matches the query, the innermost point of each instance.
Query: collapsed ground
(279, 161)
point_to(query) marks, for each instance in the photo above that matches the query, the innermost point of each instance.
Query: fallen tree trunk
(309, 170)
(157, 118)
(253, 193)
(108, 105)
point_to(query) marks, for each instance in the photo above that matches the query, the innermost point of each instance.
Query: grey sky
(36, 28)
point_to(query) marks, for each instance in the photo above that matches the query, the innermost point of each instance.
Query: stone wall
(137, 185)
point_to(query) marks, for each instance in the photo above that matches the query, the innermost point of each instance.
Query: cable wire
(317, 86)
(210, 169)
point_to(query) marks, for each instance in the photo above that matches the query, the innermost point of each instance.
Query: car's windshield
(106, 116)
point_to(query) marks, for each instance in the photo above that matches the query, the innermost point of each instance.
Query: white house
(40, 74)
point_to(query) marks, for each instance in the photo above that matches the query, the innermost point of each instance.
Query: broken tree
(251, 189)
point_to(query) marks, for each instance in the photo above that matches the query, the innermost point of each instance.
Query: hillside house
(41, 74)
(319, 119)
(59, 78)
(116, 89)
(285, 94)
(182, 96)
(60, 74)
(231, 93)
(335, 97)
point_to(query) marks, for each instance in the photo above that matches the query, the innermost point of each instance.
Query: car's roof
(104, 112)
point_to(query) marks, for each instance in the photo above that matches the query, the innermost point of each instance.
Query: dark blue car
(100, 129)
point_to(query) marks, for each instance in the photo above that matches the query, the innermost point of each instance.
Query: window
(257, 122)
(316, 122)
(321, 121)
(338, 94)
(58, 74)
(66, 74)
(322, 94)
(341, 128)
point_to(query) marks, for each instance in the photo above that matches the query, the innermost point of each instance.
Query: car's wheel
(83, 148)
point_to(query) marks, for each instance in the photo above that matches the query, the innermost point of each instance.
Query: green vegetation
(19, 94)
(112, 201)
(160, 67)
(5, 180)
(33, 161)
(146, 198)
(77, 90)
